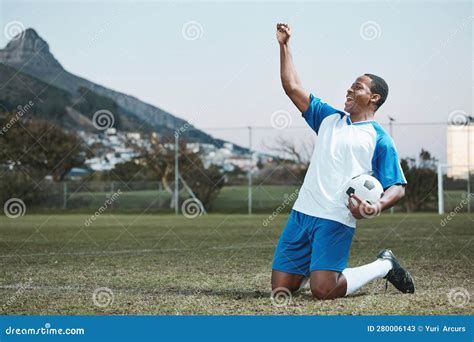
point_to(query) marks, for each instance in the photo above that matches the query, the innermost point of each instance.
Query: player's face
(358, 96)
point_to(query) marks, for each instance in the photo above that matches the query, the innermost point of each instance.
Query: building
(460, 148)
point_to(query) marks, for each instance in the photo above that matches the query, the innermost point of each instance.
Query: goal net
(455, 188)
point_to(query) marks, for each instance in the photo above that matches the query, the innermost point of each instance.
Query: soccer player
(317, 237)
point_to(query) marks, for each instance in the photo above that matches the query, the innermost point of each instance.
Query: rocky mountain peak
(28, 48)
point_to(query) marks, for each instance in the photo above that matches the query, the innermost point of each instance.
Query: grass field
(231, 199)
(214, 264)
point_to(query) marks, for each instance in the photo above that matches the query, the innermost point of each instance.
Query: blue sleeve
(385, 164)
(317, 111)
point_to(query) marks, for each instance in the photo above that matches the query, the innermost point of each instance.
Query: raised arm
(289, 78)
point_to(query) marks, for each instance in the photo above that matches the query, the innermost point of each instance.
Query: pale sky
(229, 75)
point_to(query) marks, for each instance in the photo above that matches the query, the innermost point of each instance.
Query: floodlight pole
(250, 173)
(391, 120)
(468, 164)
(176, 175)
(64, 195)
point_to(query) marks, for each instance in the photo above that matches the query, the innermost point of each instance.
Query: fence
(152, 196)
(262, 189)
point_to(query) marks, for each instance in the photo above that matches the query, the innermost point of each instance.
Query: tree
(159, 157)
(288, 148)
(427, 161)
(421, 190)
(39, 147)
(129, 171)
(293, 159)
(31, 150)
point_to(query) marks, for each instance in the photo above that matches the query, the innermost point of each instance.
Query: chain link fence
(260, 182)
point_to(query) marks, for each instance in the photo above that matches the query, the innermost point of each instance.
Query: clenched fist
(283, 33)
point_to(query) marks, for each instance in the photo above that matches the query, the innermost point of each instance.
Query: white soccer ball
(366, 187)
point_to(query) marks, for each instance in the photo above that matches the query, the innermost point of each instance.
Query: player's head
(366, 94)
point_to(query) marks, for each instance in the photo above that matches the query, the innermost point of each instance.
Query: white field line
(33, 287)
(70, 288)
(135, 251)
(122, 290)
(82, 289)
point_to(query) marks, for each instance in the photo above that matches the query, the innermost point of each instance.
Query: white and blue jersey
(320, 228)
(343, 150)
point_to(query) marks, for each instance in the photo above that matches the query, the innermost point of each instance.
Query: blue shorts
(311, 243)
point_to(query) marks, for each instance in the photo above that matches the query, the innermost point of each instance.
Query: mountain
(21, 92)
(75, 99)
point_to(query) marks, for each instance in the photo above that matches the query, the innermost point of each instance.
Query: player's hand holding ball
(364, 193)
(362, 209)
(283, 33)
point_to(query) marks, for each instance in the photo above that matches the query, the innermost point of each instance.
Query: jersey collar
(349, 122)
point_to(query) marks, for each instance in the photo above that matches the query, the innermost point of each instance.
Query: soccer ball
(366, 187)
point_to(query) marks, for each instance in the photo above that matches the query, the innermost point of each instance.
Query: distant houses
(111, 148)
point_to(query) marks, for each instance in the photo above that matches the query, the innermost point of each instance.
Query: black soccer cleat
(397, 276)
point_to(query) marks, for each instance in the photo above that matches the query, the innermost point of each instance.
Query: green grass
(231, 199)
(128, 199)
(265, 197)
(214, 264)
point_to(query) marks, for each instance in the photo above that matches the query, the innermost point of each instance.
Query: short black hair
(378, 86)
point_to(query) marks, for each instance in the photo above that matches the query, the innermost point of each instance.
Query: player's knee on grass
(322, 291)
(324, 284)
(285, 280)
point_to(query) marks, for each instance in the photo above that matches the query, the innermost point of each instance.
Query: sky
(216, 64)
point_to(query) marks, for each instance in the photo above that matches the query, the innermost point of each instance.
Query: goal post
(454, 188)
(440, 190)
